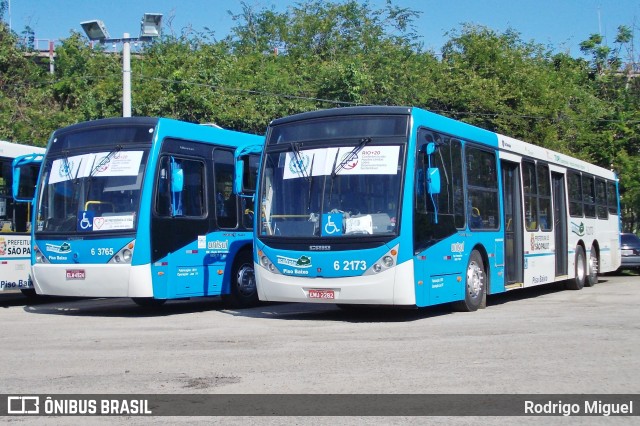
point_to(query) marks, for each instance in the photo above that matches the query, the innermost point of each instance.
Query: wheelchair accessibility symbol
(331, 224)
(85, 221)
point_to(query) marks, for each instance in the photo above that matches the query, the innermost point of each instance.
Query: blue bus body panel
(200, 268)
(440, 269)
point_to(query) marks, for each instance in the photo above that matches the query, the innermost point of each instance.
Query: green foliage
(322, 54)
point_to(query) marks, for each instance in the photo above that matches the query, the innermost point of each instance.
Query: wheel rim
(475, 279)
(580, 267)
(593, 261)
(246, 280)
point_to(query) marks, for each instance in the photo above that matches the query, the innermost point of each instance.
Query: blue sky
(562, 24)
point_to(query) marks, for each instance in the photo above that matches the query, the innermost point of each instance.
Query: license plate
(322, 294)
(75, 274)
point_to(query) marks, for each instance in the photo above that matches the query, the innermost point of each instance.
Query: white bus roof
(13, 150)
(524, 148)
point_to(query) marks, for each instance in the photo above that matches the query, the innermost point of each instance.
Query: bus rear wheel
(592, 276)
(243, 292)
(577, 283)
(475, 286)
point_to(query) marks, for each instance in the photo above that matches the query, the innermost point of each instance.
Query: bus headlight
(387, 261)
(124, 255)
(40, 257)
(267, 263)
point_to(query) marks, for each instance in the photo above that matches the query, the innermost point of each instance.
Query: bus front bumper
(86, 280)
(391, 287)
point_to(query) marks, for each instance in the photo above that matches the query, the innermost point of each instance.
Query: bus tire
(148, 302)
(592, 276)
(475, 285)
(243, 292)
(577, 283)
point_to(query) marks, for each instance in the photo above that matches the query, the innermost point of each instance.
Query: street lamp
(149, 28)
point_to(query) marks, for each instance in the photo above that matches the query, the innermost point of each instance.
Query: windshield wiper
(297, 156)
(105, 160)
(352, 155)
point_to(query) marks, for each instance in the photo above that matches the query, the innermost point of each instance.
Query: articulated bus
(145, 208)
(15, 224)
(400, 206)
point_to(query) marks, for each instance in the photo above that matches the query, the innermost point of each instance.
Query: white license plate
(322, 294)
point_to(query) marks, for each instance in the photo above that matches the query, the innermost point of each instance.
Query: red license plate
(322, 294)
(75, 274)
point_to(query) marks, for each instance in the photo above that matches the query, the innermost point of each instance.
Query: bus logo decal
(577, 229)
(301, 262)
(218, 245)
(62, 248)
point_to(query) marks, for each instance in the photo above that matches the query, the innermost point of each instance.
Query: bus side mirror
(433, 180)
(245, 178)
(25, 175)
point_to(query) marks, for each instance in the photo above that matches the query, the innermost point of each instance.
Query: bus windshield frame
(346, 185)
(90, 189)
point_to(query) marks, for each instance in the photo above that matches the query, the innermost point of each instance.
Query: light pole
(150, 27)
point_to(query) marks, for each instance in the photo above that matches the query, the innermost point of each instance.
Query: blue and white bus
(400, 206)
(145, 208)
(15, 222)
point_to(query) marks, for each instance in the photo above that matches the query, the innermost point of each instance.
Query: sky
(561, 24)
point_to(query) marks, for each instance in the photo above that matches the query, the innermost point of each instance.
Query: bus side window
(226, 200)
(163, 197)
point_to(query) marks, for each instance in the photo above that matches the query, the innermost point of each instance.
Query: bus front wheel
(475, 286)
(242, 292)
(577, 283)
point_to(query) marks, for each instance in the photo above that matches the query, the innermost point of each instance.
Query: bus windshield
(90, 192)
(338, 191)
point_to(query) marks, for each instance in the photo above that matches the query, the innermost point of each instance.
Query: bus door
(180, 222)
(560, 222)
(514, 230)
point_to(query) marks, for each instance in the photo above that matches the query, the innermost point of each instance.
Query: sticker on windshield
(110, 223)
(374, 160)
(371, 160)
(122, 163)
(331, 224)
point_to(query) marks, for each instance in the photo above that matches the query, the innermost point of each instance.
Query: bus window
(530, 186)
(601, 199)
(612, 198)
(449, 203)
(180, 188)
(588, 196)
(545, 212)
(249, 182)
(575, 194)
(226, 200)
(482, 189)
